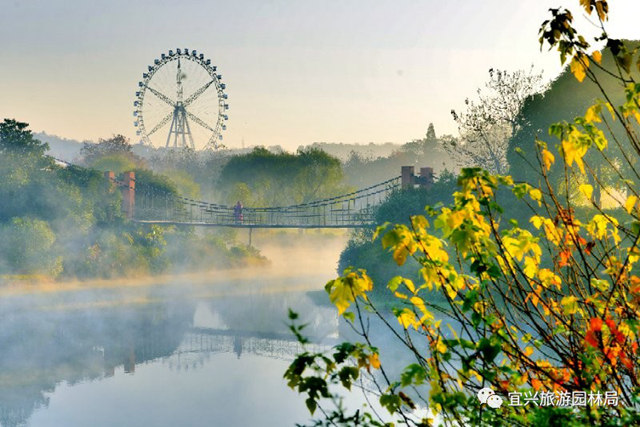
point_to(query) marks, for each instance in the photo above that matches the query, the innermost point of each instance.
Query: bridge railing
(354, 209)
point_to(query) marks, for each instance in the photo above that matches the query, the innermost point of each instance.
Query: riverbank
(283, 257)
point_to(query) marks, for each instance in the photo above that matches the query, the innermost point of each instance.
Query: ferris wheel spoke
(199, 121)
(163, 122)
(161, 96)
(197, 93)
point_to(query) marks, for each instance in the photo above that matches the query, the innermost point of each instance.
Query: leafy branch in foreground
(545, 306)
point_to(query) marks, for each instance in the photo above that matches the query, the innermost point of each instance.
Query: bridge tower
(410, 180)
(128, 188)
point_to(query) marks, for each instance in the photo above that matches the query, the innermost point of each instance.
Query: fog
(59, 337)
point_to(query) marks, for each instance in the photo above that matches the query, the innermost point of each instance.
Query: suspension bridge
(352, 210)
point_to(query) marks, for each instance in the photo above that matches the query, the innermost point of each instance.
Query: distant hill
(60, 148)
(366, 151)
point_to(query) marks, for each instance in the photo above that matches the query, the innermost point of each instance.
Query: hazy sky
(296, 71)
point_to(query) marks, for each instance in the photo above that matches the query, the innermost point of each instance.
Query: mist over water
(191, 349)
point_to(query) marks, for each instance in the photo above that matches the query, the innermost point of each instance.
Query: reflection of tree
(39, 350)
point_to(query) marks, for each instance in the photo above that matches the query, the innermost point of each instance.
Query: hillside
(565, 99)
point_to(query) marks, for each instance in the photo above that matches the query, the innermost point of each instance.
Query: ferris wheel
(181, 102)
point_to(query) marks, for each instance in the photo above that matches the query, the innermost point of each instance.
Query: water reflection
(53, 344)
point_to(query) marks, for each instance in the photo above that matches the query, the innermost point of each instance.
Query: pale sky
(296, 71)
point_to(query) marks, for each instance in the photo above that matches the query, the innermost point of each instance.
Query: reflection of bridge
(198, 343)
(352, 210)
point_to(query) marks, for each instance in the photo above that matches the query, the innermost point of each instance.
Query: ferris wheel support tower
(180, 125)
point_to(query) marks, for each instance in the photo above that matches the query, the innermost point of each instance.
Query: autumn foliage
(548, 303)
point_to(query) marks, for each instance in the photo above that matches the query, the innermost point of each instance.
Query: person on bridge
(237, 212)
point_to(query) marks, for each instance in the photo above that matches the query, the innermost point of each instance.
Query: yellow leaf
(528, 351)
(597, 56)
(587, 190)
(600, 284)
(408, 318)
(630, 203)
(530, 267)
(602, 9)
(536, 195)
(537, 221)
(586, 4)
(409, 284)
(419, 223)
(344, 290)
(374, 361)
(441, 346)
(578, 69)
(451, 292)
(549, 278)
(341, 295)
(593, 113)
(572, 153)
(547, 158)
(611, 110)
(569, 305)
(419, 304)
(400, 295)
(597, 227)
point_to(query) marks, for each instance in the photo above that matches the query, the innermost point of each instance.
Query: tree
(26, 247)
(15, 138)
(486, 125)
(565, 99)
(428, 151)
(277, 179)
(431, 133)
(545, 310)
(117, 149)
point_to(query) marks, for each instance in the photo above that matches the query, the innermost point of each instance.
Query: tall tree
(16, 138)
(116, 147)
(487, 124)
(431, 133)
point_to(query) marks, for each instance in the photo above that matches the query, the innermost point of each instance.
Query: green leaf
(413, 374)
(311, 404)
(347, 374)
(349, 315)
(489, 350)
(394, 283)
(391, 402)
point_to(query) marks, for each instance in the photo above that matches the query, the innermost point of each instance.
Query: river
(187, 350)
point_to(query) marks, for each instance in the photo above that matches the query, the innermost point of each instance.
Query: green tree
(26, 247)
(116, 150)
(565, 99)
(277, 179)
(15, 138)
